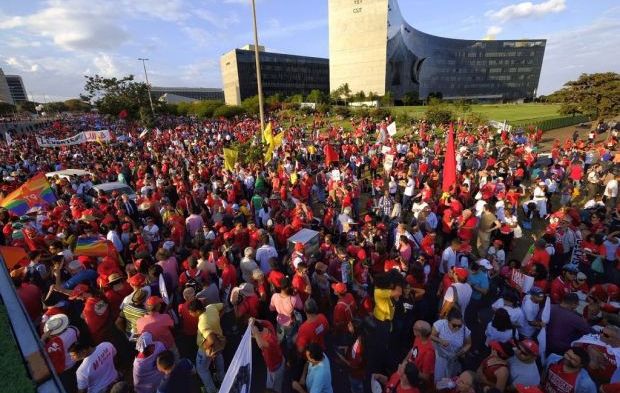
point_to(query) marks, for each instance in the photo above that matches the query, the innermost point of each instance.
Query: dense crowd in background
(409, 288)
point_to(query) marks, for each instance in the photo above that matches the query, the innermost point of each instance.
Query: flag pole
(258, 75)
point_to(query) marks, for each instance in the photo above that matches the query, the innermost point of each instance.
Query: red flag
(123, 114)
(12, 255)
(331, 155)
(449, 166)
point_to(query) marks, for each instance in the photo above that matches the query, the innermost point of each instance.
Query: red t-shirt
(559, 288)
(96, 314)
(189, 323)
(248, 307)
(541, 256)
(558, 381)
(423, 356)
(272, 353)
(30, 295)
(312, 332)
(608, 365)
(274, 277)
(229, 276)
(344, 312)
(299, 283)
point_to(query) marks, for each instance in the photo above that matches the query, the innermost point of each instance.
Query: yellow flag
(294, 178)
(230, 158)
(277, 140)
(267, 137)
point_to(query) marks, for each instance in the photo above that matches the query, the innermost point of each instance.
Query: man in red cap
(523, 368)
(96, 312)
(345, 308)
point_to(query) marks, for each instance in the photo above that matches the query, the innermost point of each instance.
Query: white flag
(9, 140)
(391, 129)
(143, 133)
(239, 374)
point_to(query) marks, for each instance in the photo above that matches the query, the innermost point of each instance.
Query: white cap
(485, 264)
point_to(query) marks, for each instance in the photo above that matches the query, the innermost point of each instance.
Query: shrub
(380, 113)
(342, 111)
(362, 112)
(228, 111)
(250, 105)
(476, 118)
(306, 110)
(439, 114)
(323, 108)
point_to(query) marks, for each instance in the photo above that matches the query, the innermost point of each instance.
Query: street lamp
(148, 86)
(258, 77)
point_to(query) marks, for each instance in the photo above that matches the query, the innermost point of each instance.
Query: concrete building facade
(373, 48)
(5, 92)
(17, 88)
(281, 74)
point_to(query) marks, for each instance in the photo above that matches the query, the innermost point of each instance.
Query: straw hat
(56, 324)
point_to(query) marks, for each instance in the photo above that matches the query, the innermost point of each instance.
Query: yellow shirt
(209, 321)
(384, 309)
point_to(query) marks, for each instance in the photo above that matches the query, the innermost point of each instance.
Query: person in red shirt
(568, 373)
(494, 370)
(345, 308)
(29, 294)
(96, 313)
(314, 329)
(189, 325)
(301, 282)
(404, 380)
(245, 302)
(540, 255)
(116, 290)
(267, 340)
(422, 353)
(229, 274)
(563, 284)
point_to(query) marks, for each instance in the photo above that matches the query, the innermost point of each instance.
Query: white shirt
(263, 254)
(611, 189)
(463, 292)
(97, 372)
(418, 207)
(516, 315)
(116, 240)
(448, 260)
(409, 188)
(151, 233)
(529, 311)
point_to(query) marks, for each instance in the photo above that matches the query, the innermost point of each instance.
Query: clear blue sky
(53, 43)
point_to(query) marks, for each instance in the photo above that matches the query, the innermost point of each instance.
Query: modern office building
(16, 86)
(410, 61)
(190, 93)
(280, 73)
(5, 92)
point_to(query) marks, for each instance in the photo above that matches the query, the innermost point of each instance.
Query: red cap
(367, 218)
(78, 291)
(410, 279)
(153, 301)
(461, 273)
(497, 346)
(498, 242)
(466, 248)
(137, 280)
(84, 259)
(339, 288)
(529, 346)
(299, 246)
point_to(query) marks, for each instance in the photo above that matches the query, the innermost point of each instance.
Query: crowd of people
(505, 282)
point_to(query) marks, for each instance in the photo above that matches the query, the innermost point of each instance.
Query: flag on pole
(331, 155)
(273, 142)
(230, 158)
(35, 192)
(238, 377)
(267, 135)
(391, 129)
(449, 165)
(92, 246)
(12, 255)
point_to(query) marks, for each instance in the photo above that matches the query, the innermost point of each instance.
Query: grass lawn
(498, 112)
(13, 375)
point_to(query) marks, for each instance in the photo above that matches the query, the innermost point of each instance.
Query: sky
(52, 44)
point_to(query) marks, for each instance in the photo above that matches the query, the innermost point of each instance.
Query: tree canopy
(112, 95)
(592, 94)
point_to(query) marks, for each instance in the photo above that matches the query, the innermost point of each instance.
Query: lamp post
(148, 86)
(258, 76)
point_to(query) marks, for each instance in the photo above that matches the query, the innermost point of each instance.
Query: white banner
(9, 140)
(391, 129)
(82, 137)
(239, 374)
(523, 282)
(500, 126)
(388, 162)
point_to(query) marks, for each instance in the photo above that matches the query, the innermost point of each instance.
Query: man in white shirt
(408, 193)
(114, 238)
(611, 193)
(448, 257)
(97, 372)
(265, 253)
(417, 207)
(532, 317)
(463, 290)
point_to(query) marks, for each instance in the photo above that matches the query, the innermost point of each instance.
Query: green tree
(372, 96)
(146, 117)
(296, 99)
(77, 105)
(6, 108)
(26, 106)
(387, 99)
(204, 109)
(112, 95)
(343, 92)
(411, 98)
(228, 111)
(596, 94)
(250, 105)
(439, 114)
(317, 96)
(360, 96)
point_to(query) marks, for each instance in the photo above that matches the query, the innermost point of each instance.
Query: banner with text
(82, 137)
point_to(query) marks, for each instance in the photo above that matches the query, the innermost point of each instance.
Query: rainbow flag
(35, 192)
(92, 246)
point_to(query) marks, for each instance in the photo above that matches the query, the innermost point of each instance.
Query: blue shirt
(319, 379)
(479, 279)
(80, 277)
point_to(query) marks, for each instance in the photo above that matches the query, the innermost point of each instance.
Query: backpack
(193, 281)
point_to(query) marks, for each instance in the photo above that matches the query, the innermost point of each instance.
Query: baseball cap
(78, 291)
(529, 346)
(461, 273)
(581, 276)
(570, 268)
(485, 264)
(153, 301)
(339, 288)
(137, 280)
(535, 291)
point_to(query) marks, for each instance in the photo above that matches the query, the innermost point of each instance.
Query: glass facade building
(491, 70)
(16, 86)
(373, 48)
(281, 74)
